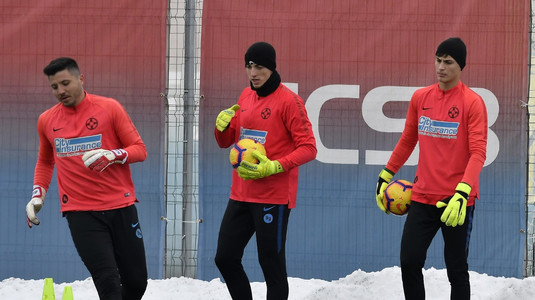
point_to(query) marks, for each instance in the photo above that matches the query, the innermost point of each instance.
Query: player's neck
(445, 86)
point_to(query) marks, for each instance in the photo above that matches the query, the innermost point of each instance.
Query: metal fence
(529, 256)
(182, 119)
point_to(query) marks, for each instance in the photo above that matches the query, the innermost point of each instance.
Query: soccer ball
(243, 150)
(397, 196)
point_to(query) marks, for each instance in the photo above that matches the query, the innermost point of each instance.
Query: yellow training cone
(67, 293)
(48, 290)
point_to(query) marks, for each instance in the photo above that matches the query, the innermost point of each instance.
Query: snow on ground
(385, 284)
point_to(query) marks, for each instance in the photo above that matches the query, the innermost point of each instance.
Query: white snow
(385, 284)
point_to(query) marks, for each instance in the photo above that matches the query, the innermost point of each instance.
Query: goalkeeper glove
(384, 179)
(455, 211)
(35, 205)
(224, 117)
(264, 168)
(99, 159)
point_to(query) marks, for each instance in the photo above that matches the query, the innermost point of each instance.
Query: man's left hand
(99, 159)
(455, 211)
(264, 168)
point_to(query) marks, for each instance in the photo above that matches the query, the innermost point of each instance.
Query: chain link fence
(182, 119)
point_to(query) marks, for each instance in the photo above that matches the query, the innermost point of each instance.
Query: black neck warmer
(270, 86)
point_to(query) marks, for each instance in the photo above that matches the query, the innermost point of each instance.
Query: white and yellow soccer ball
(397, 196)
(243, 151)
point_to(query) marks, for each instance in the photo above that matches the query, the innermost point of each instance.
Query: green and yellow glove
(384, 179)
(224, 117)
(455, 211)
(264, 168)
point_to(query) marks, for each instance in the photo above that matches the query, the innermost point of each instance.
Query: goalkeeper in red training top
(262, 194)
(449, 122)
(92, 141)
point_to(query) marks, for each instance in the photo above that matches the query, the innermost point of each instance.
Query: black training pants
(240, 222)
(421, 226)
(110, 244)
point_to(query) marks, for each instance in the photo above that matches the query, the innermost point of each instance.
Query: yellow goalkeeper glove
(455, 211)
(264, 168)
(384, 179)
(224, 117)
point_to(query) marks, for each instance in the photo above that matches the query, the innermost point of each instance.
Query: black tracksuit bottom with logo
(421, 226)
(110, 244)
(240, 221)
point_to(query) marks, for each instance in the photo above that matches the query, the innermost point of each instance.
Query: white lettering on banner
(313, 105)
(493, 109)
(372, 112)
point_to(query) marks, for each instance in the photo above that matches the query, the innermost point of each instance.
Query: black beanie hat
(261, 53)
(455, 48)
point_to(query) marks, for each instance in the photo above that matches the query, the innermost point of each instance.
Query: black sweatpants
(240, 221)
(421, 226)
(110, 244)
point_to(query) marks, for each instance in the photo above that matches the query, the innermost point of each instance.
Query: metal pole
(188, 239)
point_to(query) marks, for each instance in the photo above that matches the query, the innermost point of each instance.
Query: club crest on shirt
(453, 112)
(91, 123)
(266, 113)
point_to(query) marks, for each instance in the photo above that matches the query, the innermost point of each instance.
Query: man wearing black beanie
(455, 48)
(261, 53)
(262, 193)
(449, 123)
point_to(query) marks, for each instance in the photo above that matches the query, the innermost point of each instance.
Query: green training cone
(67, 293)
(48, 290)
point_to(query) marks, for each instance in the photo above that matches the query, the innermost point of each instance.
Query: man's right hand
(224, 117)
(384, 179)
(35, 205)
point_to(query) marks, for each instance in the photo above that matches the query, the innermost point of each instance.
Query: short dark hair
(60, 64)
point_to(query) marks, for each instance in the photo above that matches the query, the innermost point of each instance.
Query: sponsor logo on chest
(76, 146)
